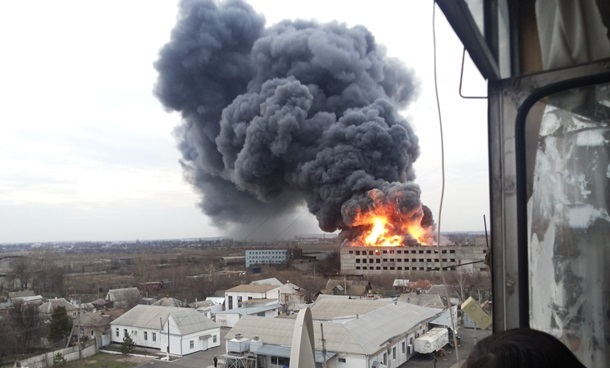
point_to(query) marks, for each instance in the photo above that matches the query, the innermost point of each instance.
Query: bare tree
(8, 343)
(27, 325)
(207, 281)
(47, 276)
(21, 268)
(463, 282)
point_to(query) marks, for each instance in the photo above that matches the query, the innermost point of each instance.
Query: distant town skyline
(88, 153)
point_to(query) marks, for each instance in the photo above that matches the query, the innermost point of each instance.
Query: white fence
(70, 354)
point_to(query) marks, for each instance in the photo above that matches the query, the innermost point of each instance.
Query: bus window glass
(567, 154)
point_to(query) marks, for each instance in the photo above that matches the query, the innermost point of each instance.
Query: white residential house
(356, 334)
(236, 296)
(182, 331)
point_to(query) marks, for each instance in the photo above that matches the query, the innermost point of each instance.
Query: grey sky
(87, 152)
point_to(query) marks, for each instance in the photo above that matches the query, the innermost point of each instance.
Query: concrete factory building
(356, 333)
(267, 257)
(371, 261)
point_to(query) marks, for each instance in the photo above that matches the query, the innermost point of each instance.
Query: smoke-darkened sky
(89, 153)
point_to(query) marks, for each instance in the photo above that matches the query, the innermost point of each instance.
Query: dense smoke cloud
(273, 117)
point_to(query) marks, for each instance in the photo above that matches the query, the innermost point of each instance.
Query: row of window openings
(286, 361)
(267, 252)
(391, 251)
(154, 336)
(378, 260)
(192, 342)
(403, 268)
(239, 300)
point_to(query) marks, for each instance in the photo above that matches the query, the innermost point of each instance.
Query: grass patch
(101, 360)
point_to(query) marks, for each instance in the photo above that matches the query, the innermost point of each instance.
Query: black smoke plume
(274, 117)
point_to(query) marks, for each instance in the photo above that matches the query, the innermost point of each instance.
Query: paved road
(202, 359)
(469, 338)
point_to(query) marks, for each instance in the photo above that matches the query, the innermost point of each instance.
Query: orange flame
(388, 227)
(379, 234)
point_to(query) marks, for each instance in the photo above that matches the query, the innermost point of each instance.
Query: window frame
(510, 101)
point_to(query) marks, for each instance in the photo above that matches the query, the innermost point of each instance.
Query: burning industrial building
(298, 112)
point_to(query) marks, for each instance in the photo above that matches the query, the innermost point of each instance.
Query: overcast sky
(87, 151)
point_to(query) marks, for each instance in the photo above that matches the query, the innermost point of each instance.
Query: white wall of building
(232, 298)
(197, 342)
(157, 339)
(272, 313)
(227, 319)
(141, 337)
(396, 354)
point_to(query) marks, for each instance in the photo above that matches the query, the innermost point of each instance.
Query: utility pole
(80, 354)
(323, 345)
(168, 342)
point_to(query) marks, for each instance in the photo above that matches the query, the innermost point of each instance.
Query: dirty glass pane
(503, 39)
(568, 144)
(476, 9)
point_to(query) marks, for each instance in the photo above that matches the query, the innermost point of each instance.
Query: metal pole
(168, 342)
(323, 346)
(80, 356)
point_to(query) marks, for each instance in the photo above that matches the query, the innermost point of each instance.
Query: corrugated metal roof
(271, 281)
(190, 321)
(250, 310)
(363, 335)
(249, 288)
(326, 309)
(330, 296)
(276, 331)
(426, 300)
(377, 327)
